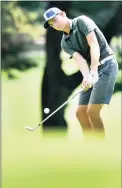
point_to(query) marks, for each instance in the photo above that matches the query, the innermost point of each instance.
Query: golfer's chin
(59, 29)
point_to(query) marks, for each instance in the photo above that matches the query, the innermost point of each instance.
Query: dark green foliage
(30, 5)
(17, 37)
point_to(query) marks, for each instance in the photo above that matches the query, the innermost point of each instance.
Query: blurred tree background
(25, 44)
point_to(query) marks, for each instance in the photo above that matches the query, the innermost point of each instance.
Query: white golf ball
(46, 110)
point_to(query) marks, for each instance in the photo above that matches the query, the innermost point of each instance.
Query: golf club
(32, 129)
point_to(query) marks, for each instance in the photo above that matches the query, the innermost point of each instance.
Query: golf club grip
(61, 106)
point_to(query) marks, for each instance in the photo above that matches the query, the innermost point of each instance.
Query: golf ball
(46, 110)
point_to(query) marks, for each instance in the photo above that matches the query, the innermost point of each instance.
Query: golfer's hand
(85, 84)
(90, 80)
(93, 77)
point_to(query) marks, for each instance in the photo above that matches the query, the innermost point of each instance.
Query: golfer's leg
(95, 118)
(81, 112)
(82, 116)
(101, 94)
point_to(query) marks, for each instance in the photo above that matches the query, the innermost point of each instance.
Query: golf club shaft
(32, 129)
(60, 107)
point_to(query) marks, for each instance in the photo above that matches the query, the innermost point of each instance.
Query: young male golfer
(83, 41)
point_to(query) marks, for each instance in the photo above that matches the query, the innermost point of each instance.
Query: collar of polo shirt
(70, 21)
(71, 29)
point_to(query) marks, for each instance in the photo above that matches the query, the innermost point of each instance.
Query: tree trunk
(56, 86)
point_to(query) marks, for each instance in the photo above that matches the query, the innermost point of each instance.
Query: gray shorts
(102, 91)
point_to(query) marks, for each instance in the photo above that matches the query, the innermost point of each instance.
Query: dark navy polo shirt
(76, 40)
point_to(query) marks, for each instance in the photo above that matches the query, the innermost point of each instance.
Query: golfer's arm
(94, 50)
(82, 64)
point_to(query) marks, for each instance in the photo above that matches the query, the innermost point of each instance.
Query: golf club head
(29, 128)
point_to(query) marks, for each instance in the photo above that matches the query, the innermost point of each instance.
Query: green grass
(56, 160)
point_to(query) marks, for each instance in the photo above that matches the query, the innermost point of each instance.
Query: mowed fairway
(55, 160)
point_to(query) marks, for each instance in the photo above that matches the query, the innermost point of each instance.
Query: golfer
(83, 41)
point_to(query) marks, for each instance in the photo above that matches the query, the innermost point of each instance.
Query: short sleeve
(85, 25)
(68, 50)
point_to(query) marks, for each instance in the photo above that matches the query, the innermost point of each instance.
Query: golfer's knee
(80, 112)
(92, 112)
